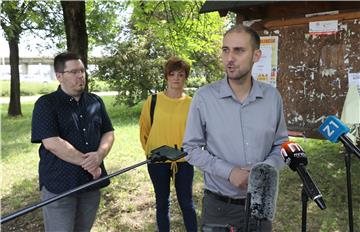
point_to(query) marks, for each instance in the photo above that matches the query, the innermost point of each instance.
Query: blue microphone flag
(333, 128)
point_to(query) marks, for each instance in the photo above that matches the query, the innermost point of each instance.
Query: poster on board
(354, 80)
(266, 68)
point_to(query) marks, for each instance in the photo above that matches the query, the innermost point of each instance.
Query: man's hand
(239, 177)
(96, 174)
(92, 161)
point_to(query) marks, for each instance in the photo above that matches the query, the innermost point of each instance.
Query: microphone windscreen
(263, 186)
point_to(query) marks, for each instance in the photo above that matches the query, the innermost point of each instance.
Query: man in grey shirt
(232, 125)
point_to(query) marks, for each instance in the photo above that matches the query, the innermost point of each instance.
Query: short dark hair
(60, 60)
(254, 36)
(174, 64)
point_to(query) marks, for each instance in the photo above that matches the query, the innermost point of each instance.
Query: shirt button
(86, 143)
(84, 129)
(81, 116)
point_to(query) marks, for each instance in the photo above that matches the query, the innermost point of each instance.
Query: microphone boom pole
(67, 193)
(160, 154)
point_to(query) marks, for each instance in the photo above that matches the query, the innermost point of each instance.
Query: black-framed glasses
(75, 72)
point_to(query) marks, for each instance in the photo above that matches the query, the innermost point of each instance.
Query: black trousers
(218, 216)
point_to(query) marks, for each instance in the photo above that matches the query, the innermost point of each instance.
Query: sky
(27, 47)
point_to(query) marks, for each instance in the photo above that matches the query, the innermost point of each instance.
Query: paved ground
(5, 100)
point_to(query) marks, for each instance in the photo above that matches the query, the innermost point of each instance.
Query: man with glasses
(76, 134)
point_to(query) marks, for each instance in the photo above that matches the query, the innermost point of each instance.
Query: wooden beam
(271, 24)
(239, 19)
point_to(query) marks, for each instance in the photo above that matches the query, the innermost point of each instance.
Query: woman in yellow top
(169, 121)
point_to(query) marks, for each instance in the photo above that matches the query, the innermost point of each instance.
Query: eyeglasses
(75, 72)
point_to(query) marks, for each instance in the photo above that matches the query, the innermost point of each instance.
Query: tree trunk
(14, 105)
(75, 28)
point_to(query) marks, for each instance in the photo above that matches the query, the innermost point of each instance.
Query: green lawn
(128, 203)
(30, 88)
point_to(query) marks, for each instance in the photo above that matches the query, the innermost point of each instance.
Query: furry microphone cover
(263, 186)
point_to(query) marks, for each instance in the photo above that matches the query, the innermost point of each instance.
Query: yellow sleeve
(144, 122)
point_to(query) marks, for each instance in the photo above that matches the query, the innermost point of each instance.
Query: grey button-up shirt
(222, 132)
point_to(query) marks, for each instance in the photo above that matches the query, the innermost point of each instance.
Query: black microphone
(334, 130)
(294, 156)
(262, 188)
(165, 153)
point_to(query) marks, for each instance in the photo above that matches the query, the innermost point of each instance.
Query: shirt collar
(255, 92)
(67, 98)
(225, 90)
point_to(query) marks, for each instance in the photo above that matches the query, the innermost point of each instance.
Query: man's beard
(240, 76)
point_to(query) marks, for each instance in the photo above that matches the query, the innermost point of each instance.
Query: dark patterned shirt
(81, 123)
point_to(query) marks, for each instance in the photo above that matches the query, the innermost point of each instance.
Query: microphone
(262, 189)
(294, 156)
(334, 130)
(165, 153)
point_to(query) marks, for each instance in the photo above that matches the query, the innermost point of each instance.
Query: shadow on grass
(22, 195)
(128, 204)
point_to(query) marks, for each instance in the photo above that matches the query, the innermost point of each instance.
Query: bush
(96, 85)
(195, 82)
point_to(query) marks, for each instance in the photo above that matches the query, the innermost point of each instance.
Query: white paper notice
(323, 27)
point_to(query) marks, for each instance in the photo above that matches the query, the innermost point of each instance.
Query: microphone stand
(304, 200)
(350, 149)
(247, 211)
(304, 195)
(162, 153)
(349, 189)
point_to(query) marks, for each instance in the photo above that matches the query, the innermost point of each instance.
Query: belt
(225, 198)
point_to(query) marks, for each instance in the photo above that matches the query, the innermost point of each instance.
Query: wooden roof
(223, 7)
(250, 10)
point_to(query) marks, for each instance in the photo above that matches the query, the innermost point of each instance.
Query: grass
(30, 88)
(128, 203)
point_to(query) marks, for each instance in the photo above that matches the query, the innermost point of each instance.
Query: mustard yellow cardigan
(169, 123)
